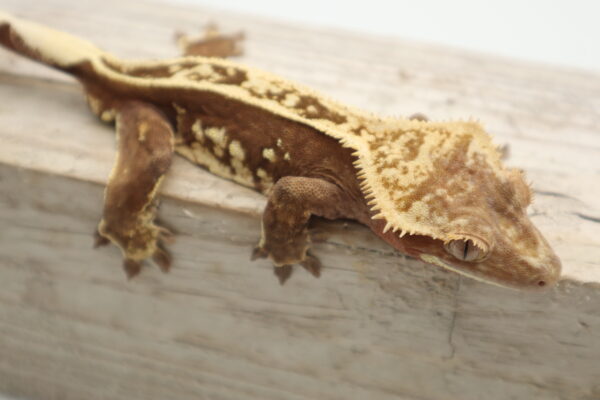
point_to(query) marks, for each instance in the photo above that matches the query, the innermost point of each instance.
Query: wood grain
(376, 325)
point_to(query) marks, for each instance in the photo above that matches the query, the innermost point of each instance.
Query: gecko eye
(465, 250)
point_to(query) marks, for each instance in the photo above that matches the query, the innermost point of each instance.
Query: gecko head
(469, 215)
(489, 238)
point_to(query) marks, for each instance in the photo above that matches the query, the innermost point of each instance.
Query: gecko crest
(398, 160)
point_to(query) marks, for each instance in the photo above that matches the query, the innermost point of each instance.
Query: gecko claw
(283, 273)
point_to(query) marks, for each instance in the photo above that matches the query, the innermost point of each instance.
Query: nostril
(541, 283)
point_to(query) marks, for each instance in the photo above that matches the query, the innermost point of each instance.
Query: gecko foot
(211, 44)
(311, 264)
(138, 245)
(161, 257)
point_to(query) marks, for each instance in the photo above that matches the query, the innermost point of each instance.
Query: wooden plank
(376, 325)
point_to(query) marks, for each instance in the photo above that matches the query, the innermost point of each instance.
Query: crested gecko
(436, 191)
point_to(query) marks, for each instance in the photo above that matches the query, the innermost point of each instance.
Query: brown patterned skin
(436, 191)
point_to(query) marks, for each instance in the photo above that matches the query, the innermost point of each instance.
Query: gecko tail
(45, 45)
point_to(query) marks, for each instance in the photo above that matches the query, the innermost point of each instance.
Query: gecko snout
(549, 275)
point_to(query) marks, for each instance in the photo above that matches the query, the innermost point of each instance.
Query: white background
(553, 31)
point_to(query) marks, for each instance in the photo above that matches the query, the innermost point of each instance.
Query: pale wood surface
(375, 326)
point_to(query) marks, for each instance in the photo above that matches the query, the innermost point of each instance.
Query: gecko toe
(163, 259)
(166, 235)
(258, 252)
(283, 273)
(312, 265)
(99, 240)
(505, 151)
(132, 268)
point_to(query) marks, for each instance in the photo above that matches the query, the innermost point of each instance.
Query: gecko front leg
(145, 150)
(285, 237)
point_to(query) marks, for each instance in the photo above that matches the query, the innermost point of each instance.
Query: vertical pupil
(466, 250)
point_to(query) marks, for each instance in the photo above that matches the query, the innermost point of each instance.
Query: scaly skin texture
(434, 190)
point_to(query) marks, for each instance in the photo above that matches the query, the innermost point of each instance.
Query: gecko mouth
(431, 259)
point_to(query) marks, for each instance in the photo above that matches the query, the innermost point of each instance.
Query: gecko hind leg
(145, 151)
(211, 44)
(285, 237)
